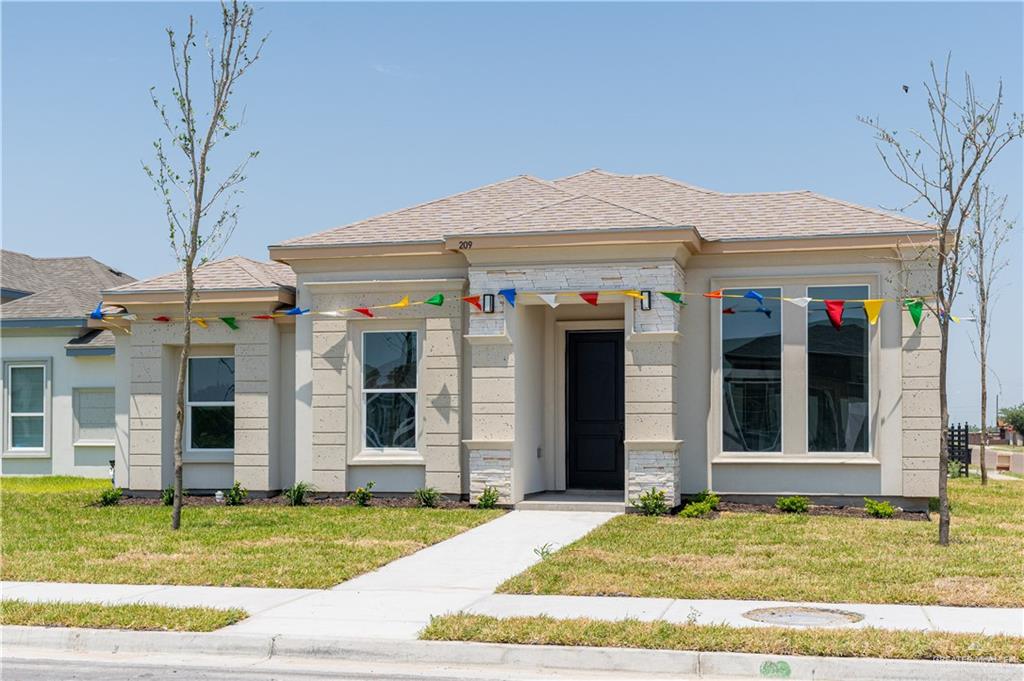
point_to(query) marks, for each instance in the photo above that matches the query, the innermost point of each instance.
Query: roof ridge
(246, 264)
(527, 212)
(567, 200)
(407, 208)
(868, 209)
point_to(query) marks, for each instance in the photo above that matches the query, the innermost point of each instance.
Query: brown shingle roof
(596, 199)
(234, 273)
(60, 288)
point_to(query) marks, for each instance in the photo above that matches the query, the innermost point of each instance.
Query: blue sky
(359, 109)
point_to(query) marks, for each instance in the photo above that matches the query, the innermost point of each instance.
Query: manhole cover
(803, 617)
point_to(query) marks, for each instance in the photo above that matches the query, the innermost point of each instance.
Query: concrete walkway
(461, 573)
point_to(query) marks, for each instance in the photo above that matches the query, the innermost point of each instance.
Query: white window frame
(9, 421)
(75, 400)
(379, 451)
(189, 404)
(807, 376)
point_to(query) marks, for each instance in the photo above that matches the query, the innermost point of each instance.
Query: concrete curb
(683, 663)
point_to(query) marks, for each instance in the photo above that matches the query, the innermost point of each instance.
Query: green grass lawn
(53, 532)
(866, 642)
(131, 616)
(792, 558)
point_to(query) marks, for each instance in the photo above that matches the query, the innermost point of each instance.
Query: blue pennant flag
(755, 296)
(297, 311)
(508, 294)
(98, 312)
(767, 312)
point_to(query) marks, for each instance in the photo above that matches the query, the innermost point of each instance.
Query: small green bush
(488, 498)
(651, 502)
(296, 494)
(362, 495)
(708, 496)
(793, 504)
(697, 509)
(933, 505)
(878, 509)
(427, 497)
(110, 497)
(167, 495)
(237, 495)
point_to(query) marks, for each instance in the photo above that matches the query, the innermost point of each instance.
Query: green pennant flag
(230, 321)
(674, 296)
(914, 307)
(436, 299)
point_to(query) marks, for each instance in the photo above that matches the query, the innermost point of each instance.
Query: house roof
(230, 274)
(596, 199)
(93, 342)
(54, 288)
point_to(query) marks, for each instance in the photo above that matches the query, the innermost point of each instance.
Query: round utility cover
(798, 616)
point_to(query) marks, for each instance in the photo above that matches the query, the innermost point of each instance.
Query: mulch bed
(311, 500)
(849, 511)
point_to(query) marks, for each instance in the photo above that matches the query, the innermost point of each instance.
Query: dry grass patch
(802, 558)
(132, 616)
(52, 532)
(866, 642)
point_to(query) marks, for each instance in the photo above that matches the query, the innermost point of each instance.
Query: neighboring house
(58, 371)
(558, 391)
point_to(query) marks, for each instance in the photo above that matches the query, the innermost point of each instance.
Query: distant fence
(957, 441)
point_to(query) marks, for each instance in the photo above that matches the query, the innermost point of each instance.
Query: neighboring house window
(210, 403)
(837, 373)
(752, 373)
(94, 415)
(26, 406)
(389, 389)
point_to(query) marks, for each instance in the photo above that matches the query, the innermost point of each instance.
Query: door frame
(558, 460)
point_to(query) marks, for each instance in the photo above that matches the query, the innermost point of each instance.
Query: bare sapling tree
(988, 234)
(201, 211)
(944, 166)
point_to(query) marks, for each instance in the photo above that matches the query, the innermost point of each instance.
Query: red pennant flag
(590, 297)
(161, 319)
(262, 316)
(728, 310)
(474, 301)
(714, 294)
(365, 311)
(834, 309)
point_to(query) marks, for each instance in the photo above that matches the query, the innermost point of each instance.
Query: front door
(594, 410)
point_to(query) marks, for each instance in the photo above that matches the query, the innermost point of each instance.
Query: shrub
(793, 504)
(362, 495)
(110, 497)
(296, 494)
(698, 509)
(167, 495)
(651, 502)
(708, 496)
(427, 496)
(237, 495)
(488, 498)
(878, 509)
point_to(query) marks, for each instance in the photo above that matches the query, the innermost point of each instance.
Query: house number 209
(465, 245)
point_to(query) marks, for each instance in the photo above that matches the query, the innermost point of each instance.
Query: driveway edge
(693, 664)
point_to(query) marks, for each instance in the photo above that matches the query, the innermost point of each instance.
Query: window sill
(845, 459)
(211, 456)
(388, 458)
(27, 454)
(93, 443)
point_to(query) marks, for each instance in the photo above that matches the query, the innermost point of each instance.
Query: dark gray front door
(594, 410)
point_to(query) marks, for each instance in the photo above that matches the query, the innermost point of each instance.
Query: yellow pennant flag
(871, 309)
(201, 322)
(633, 294)
(404, 302)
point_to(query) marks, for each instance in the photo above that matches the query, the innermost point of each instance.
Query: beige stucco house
(532, 388)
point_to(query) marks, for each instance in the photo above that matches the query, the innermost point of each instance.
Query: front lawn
(135, 616)
(802, 558)
(865, 642)
(52, 531)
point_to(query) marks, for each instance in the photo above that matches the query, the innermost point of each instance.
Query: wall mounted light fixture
(488, 302)
(645, 300)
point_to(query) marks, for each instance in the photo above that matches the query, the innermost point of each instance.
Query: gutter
(44, 323)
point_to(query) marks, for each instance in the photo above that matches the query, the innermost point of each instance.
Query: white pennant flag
(802, 302)
(549, 298)
(330, 313)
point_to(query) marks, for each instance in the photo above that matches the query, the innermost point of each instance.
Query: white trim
(387, 285)
(197, 454)
(364, 454)
(9, 448)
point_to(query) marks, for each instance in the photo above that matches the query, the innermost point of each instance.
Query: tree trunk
(179, 409)
(982, 349)
(943, 319)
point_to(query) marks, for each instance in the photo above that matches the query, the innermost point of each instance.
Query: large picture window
(752, 372)
(837, 373)
(389, 389)
(26, 407)
(210, 403)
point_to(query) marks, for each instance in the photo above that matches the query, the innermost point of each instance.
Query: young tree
(201, 211)
(988, 234)
(944, 167)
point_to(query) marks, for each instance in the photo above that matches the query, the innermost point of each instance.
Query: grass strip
(866, 642)
(134, 616)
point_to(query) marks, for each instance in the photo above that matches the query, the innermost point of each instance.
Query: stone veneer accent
(646, 469)
(490, 468)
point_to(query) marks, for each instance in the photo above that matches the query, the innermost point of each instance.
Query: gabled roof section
(573, 213)
(230, 274)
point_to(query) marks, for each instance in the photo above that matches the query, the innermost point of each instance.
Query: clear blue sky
(359, 109)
